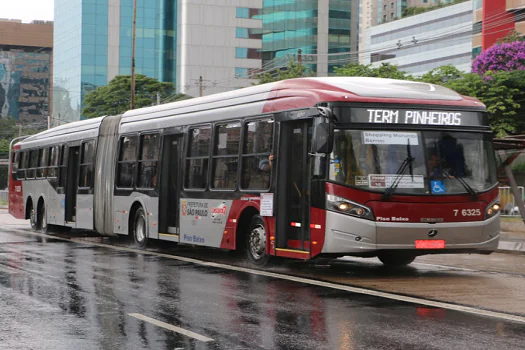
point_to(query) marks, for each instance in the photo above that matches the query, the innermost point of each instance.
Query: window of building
(476, 51)
(87, 158)
(384, 18)
(477, 28)
(243, 52)
(248, 33)
(257, 147)
(52, 171)
(245, 12)
(33, 164)
(148, 159)
(391, 15)
(43, 159)
(241, 73)
(226, 155)
(384, 7)
(198, 158)
(127, 162)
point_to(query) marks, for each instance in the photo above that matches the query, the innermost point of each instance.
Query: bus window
(52, 171)
(33, 163)
(197, 159)
(62, 160)
(42, 163)
(149, 155)
(86, 164)
(14, 164)
(127, 162)
(226, 155)
(22, 166)
(257, 147)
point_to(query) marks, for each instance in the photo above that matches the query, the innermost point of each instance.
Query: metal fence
(508, 204)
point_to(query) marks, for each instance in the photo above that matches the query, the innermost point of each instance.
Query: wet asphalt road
(56, 294)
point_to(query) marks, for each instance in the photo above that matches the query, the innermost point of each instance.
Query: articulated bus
(302, 168)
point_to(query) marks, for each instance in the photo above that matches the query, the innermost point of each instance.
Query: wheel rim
(44, 219)
(140, 229)
(32, 218)
(257, 242)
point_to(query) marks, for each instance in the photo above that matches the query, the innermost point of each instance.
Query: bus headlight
(344, 206)
(493, 209)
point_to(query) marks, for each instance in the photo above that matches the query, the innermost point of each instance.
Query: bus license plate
(430, 244)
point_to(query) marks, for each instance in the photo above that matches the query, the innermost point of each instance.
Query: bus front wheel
(392, 259)
(256, 242)
(140, 229)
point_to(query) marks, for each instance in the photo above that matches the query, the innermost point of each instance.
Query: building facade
(420, 43)
(325, 32)
(495, 19)
(26, 70)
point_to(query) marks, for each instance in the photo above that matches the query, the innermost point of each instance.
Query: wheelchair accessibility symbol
(437, 186)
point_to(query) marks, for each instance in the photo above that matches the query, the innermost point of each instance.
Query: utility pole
(133, 39)
(48, 122)
(200, 86)
(300, 56)
(158, 98)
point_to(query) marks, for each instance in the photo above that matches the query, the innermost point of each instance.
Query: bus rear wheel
(140, 229)
(33, 221)
(256, 242)
(42, 218)
(393, 259)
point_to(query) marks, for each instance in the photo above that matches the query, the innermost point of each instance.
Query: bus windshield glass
(437, 163)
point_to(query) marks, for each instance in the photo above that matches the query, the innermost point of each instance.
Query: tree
(293, 70)
(500, 57)
(385, 70)
(114, 98)
(512, 37)
(442, 75)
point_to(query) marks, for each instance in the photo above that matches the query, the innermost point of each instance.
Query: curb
(515, 246)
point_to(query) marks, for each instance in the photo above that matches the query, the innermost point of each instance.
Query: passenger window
(22, 166)
(15, 160)
(149, 155)
(52, 170)
(87, 156)
(198, 158)
(257, 147)
(127, 162)
(33, 164)
(42, 163)
(226, 155)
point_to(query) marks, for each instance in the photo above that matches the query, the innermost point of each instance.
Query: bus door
(170, 187)
(293, 187)
(73, 160)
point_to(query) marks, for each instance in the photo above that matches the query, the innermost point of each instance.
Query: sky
(27, 10)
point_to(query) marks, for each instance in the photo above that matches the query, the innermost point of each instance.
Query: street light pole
(133, 39)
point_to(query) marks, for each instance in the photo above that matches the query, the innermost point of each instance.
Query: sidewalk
(510, 241)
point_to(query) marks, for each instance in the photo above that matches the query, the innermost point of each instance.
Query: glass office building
(322, 30)
(93, 41)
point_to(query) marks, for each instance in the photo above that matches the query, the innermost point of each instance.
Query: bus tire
(256, 239)
(393, 259)
(33, 221)
(42, 217)
(140, 228)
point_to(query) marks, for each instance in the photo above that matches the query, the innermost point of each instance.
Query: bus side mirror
(323, 137)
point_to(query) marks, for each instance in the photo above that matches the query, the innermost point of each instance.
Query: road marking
(171, 327)
(358, 290)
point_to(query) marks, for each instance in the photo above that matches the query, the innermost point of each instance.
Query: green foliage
(512, 37)
(411, 11)
(115, 97)
(442, 75)
(385, 70)
(293, 70)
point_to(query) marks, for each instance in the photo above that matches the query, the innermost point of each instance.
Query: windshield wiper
(464, 183)
(407, 163)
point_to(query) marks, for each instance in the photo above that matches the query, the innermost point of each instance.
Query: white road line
(171, 327)
(359, 290)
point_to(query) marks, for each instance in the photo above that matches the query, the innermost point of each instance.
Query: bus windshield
(437, 162)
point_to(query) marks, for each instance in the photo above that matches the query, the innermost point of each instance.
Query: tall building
(25, 70)
(324, 31)
(420, 43)
(494, 19)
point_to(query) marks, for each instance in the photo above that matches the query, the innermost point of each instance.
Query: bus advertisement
(302, 168)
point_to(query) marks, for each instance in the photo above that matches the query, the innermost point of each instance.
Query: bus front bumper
(353, 236)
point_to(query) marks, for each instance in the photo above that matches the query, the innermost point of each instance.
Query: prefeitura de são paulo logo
(219, 210)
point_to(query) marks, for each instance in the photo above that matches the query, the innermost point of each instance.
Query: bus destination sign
(417, 117)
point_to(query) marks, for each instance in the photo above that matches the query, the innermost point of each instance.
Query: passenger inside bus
(266, 164)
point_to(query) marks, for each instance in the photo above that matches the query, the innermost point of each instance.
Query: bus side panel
(84, 211)
(123, 205)
(237, 208)
(203, 221)
(15, 194)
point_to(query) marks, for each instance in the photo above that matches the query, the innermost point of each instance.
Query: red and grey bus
(302, 168)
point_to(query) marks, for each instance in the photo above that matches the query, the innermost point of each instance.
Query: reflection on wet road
(66, 295)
